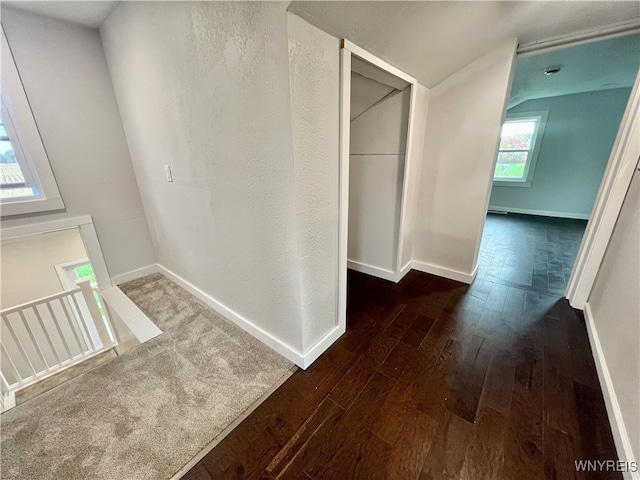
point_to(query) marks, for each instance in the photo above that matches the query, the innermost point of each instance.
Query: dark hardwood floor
(439, 380)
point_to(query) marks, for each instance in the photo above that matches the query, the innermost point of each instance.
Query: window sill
(31, 206)
(506, 183)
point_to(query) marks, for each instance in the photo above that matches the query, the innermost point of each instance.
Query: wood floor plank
(352, 384)
(498, 386)
(485, 454)
(409, 453)
(559, 456)
(447, 455)
(326, 411)
(596, 442)
(470, 380)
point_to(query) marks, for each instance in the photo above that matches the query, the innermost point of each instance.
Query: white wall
(416, 148)
(365, 92)
(615, 309)
(28, 265)
(65, 75)
(204, 87)
(314, 68)
(376, 173)
(465, 116)
(575, 149)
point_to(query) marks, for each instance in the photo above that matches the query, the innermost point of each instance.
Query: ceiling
(432, 40)
(87, 13)
(603, 65)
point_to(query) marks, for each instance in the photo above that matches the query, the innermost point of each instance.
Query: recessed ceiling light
(552, 70)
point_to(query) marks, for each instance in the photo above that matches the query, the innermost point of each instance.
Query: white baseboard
(265, 337)
(620, 436)
(403, 271)
(133, 274)
(541, 213)
(372, 270)
(444, 272)
(321, 346)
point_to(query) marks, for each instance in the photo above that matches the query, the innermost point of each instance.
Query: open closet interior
(380, 104)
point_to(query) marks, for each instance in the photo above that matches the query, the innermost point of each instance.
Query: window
(27, 184)
(520, 141)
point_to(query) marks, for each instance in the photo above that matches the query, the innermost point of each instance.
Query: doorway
(377, 116)
(562, 123)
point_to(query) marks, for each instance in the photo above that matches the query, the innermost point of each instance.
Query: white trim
(408, 171)
(343, 183)
(619, 29)
(87, 232)
(445, 272)
(321, 346)
(29, 141)
(372, 270)
(141, 326)
(372, 59)
(403, 271)
(134, 274)
(613, 189)
(347, 50)
(541, 213)
(618, 428)
(237, 421)
(63, 268)
(279, 346)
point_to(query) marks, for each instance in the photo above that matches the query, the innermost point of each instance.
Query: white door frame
(617, 177)
(347, 50)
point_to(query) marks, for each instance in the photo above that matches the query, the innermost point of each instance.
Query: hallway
(435, 379)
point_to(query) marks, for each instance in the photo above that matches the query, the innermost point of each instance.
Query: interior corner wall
(376, 175)
(204, 87)
(466, 112)
(314, 70)
(575, 149)
(615, 308)
(66, 79)
(414, 164)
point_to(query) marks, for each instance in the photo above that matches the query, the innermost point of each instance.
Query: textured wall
(463, 125)
(376, 172)
(314, 75)
(615, 304)
(574, 152)
(204, 87)
(65, 76)
(28, 265)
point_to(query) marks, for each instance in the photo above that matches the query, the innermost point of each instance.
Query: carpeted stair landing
(146, 413)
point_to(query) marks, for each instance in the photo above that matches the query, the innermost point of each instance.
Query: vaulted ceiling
(432, 40)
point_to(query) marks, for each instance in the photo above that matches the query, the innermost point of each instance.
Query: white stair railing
(43, 337)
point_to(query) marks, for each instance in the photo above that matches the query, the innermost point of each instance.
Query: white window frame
(27, 143)
(532, 158)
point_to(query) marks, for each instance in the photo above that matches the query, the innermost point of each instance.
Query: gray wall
(204, 87)
(615, 306)
(574, 152)
(65, 76)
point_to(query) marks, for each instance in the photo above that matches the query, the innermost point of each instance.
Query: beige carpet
(146, 413)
